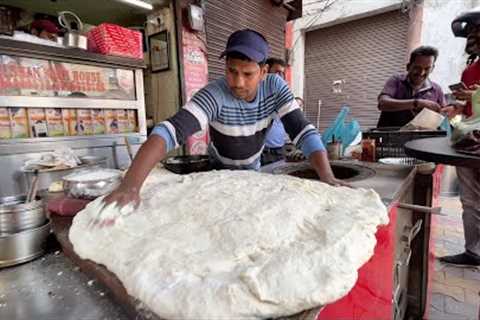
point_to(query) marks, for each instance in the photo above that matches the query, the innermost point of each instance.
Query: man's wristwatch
(415, 104)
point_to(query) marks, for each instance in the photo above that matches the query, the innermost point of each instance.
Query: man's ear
(264, 71)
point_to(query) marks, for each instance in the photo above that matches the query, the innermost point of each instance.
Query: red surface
(371, 297)
(65, 206)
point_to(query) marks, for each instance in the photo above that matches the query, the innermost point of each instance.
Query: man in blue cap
(238, 109)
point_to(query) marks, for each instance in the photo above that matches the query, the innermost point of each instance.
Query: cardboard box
(122, 117)
(70, 121)
(132, 120)
(111, 121)
(5, 132)
(37, 121)
(18, 122)
(98, 121)
(84, 122)
(55, 125)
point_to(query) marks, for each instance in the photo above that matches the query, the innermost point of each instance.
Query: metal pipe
(422, 209)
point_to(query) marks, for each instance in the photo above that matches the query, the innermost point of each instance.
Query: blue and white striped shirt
(237, 127)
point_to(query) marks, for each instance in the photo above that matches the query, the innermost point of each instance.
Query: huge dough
(235, 244)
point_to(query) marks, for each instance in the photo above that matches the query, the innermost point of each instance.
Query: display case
(53, 97)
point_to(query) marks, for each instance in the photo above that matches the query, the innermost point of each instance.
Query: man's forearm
(149, 154)
(388, 104)
(319, 161)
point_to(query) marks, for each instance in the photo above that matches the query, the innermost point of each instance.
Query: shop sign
(45, 78)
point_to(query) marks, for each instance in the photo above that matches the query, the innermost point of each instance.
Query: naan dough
(235, 244)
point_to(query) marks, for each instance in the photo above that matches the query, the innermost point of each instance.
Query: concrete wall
(339, 11)
(436, 31)
(162, 88)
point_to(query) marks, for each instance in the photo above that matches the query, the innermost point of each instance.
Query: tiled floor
(455, 291)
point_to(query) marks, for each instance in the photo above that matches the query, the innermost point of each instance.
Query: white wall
(437, 32)
(339, 12)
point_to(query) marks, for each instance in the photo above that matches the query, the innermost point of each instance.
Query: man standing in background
(275, 138)
(406, 94)
(467, 26)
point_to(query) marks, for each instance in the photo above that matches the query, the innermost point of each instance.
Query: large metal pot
(23, 246)
(16, 215)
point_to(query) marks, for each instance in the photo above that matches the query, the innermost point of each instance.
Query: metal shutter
(364, 53)
(224, 17)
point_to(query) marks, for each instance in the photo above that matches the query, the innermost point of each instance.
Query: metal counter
(52, 287)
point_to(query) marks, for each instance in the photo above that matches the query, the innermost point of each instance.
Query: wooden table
(438, 150)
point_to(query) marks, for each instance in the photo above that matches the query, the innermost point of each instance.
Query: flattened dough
(236, 244)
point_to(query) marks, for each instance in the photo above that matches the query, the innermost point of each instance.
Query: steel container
(23, 246)
(16, 215)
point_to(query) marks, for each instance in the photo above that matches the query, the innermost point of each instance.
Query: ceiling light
(138, 3)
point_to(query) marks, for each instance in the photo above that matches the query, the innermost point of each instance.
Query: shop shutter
(364, 53)
(226, 16)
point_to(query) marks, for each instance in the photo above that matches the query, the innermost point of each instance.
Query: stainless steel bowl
(92, 188)
(16, 215)
(23, 246)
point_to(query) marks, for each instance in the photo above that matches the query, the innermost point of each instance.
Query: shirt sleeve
(441, 97)
(193, 117)
(302, 133)
(390, 88)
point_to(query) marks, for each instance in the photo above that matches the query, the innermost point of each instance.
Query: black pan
(187, 164)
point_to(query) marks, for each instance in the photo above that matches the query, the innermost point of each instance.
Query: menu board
(29, 77)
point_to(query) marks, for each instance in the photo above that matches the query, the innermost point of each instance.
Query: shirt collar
(427, 85)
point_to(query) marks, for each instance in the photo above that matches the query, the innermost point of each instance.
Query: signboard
(196, 77)
(45, 78)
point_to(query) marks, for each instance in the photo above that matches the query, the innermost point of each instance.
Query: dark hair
(299, 98)
(241, 56)
(272, 61)
(424, 51)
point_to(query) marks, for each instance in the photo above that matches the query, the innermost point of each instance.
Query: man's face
(473, 40)
(243, 77)
(420, 69)
(278, 69)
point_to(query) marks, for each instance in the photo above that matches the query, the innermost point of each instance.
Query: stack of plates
(405, 161)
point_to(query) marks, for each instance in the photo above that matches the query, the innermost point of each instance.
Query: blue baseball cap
(249, 43)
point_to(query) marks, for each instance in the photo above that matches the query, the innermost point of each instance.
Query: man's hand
(451, 111)
(319, 162)
(432, 105)
(466, 94)
(123, 195)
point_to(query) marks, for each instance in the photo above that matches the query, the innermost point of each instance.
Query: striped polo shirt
(237, 127)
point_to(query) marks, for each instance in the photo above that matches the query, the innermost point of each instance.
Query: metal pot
(16, 215)
(72, 38)
(23, 246)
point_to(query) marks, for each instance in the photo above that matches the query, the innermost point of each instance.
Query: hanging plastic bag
(346, 133)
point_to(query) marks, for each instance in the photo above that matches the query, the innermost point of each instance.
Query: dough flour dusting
(235, 244)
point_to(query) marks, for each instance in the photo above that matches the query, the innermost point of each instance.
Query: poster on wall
(196, 77)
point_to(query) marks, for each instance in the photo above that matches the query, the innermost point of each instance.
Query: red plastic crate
(111, 39)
